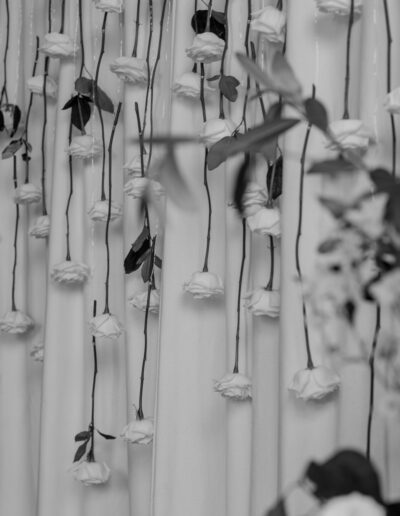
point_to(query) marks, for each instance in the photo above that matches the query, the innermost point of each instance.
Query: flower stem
(140, 414)
(347, 78)
(270, 283)
(310, 364)
(135, 45)
(90, 455)
(151, 29)
(246, 45)
(71, 191)
(28, 113)
(107, 282)
(141, 145)
(49, 15)
(258, 90)
(62, 16)
(209, 11)
(46, 70)
(4, 88)
(13, 305)
(80, 15)
(389, 83)
(221, 96)
(372, 379)
(239, 298)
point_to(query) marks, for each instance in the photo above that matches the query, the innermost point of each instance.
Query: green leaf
(147, 268)
(228, 86)
(331, 166)
(316, 113)
(278, 509)
(2, 126)
(84, 86)
(157, 261)
(242, 180)
(11, 148)
(336, 208)
(382, 179)
(80, 452)
(144, 235)
(254, 139)
(219, 16)
(83, 436)
(16, 119)
(173, 181)
(106, 436)
(213, 78)
(103, 100)
(276, 187)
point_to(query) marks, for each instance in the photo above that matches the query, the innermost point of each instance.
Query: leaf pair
(85, 436)
(228, 86)
(100, 98)
(80, 110)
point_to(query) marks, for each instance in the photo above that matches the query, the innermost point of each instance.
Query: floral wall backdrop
(198, 255)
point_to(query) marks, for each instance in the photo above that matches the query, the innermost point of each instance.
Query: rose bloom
(35, 85)
(270, 23)
(266, 221)
(235, 386)
(341, 7)
(41, 227)
(37, 352)
(314, 384)
(204, 284)
(346, 188)
(216, 129)
(136, 187)
(139, 300)
(58, 45)
(16, 322)
(206, 48)
(354, 504)
(99, 211)
(106, 326)
(70, 273)
(368, 216)
(350, 134)
(139, 431)
(188, 85)
(254, 198)
(85, 146)
(134, 165)
(91, 473)
(392, 101)
(263, 302)
(130, 69)
(27, 193)
(110, 6)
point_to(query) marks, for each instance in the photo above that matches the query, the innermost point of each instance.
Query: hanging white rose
(16, 322)
(204, 284)
(354, 504)
(350, 134)
(91, 473)
(27, 193)
(130, 69)
(85, 146)
(136, 187)
(110, 6)
(254, 198)
(392, 101)
(266, 221)
(41, 227)
(139, 300)
(99, 211)
(106, 326)
(263, 302)
(340, 7)
(314, 384)
(58, 45)
(35, 85)
(270, 23)
(216, 129)
(139, 431)
(70, 273)
(206, 48)
(37, 352)
(235, 386)
(134, 165)
(188, 85)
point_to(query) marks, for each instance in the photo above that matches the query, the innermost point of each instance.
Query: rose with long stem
(239, 298)
(15, 180)
(347, 78)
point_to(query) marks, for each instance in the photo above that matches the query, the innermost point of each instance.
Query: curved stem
(372, 380)
(71, 191)
(222, 67)
(246, 44)
(151, 29)
(347, 78)
(135, 45)
(4, 88)
(80, 15)
(46, 69)
(28, 114)
(238, 306)
(107, 282)
(13, 305)
(310, 364)
(90, 455)
(141, 145)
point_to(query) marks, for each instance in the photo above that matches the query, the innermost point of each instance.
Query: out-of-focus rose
(130, 69)
(341, 7)
(392, 101)
(70, 273)
(134, 165)
(346, 188)
(206, 48)
(16, 322)
(106, 326)
(35, 85)
(91, 473)
(266, 221)
(136, 187)
(188, 85)
(354, 504)
(314, 384)
(110, 6)
(216, 129)
(350, 134)
(204, 284)
(235, 386)
(99, 211)
(139, 431)
(263, 302)
(270, 23)
(85, 146)
(27, 193)
(368, 215)
(58, 45)
(139, 300)
(386, 291)
(41, 227)
(254, 198)
(37, 352)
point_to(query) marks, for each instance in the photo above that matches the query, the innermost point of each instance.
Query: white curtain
(209, 455)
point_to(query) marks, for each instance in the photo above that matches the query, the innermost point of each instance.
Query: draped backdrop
(209, 455)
